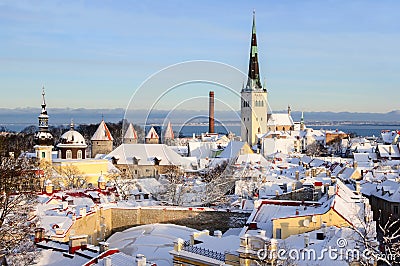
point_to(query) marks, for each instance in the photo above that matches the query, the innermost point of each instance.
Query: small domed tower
(43, 139)
(102, 141)
(130, 136)
(101, 182)
(48, 187)
(72, 145)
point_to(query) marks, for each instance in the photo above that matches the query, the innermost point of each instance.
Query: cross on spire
(44, 111)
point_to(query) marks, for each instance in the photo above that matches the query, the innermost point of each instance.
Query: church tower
(102, 141)
(254, 105)
(130, 136)
(169, 135)
(43, 139)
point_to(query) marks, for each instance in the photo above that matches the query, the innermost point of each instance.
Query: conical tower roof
(102, 133)
(130, 132)
(253, 79)
(169, 133)
(152, 134)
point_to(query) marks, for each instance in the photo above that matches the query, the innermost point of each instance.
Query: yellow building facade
(90, 169)
(296, 225)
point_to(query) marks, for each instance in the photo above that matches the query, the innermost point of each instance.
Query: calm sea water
(359, 130)
(188, 130)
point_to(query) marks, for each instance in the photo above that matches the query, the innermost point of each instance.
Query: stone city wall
(104, 222)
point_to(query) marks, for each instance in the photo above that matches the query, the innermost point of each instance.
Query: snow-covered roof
(154, 241)
(388, 190)
(223, 140)
(51, 223)
(114, 259)
(333, 235)
(280, 120)
(306, 159)
(317, 162)
(102, 133)
(362, 157)
(252, 158)
(224, 244)
(269, 190)
(50, 257)
(268, 212)
(349, 205)
(201, 150)
(387, 151)
(72, 139)
(233, 149)
(389, 136)
(146, 153)
(345, 202)
(274, 134)
(130, 132)
(150, 185)
(182, 150)
(346, 173)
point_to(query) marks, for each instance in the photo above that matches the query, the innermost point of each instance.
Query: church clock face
(43, 123)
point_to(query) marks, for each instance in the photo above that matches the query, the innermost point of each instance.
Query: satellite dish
(306, 223)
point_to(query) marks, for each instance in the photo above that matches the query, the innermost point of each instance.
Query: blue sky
(315, 55)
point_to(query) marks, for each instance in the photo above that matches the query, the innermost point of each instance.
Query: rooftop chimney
(211, 113)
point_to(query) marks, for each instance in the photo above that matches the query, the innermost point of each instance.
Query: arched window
(69, 154)
(79, 155)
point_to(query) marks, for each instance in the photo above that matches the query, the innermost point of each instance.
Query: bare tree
(71, 177)
(390, 230)
(16, 228)
(175, 180)
(46, 171)
(316, 149)
(217, 184)
(388, 253)
(122, 183)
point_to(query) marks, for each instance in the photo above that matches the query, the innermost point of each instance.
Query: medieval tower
(254, 105)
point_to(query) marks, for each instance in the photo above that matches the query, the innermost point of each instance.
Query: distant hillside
(391, 117)
(16, 119)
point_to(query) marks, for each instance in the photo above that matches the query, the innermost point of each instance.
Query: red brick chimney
(211, 114)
